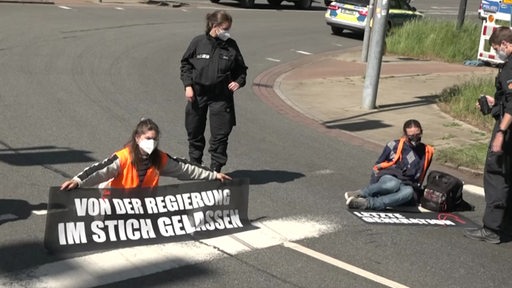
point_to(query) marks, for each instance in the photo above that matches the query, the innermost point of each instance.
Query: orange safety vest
(429, 153)
(128, 176)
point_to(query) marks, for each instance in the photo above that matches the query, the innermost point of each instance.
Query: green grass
(440, 40)
(459, 102)
(470, 156)
(435, 39)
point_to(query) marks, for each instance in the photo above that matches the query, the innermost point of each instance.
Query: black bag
(443, 192)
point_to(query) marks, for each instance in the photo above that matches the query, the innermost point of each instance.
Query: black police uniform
(209, 65)
(498, 169)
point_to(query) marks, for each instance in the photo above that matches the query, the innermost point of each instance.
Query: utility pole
(371, 80)
(462, 13)
(367, 31)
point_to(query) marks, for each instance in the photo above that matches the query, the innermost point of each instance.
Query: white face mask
(148, 145)
(223, 35)
(501, 55)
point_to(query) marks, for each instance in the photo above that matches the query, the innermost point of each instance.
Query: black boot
(482, 234)
(216, 167)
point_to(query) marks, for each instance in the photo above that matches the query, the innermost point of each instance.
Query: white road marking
(273, 60)
(322, 172)
(119, 8)
(444, 7)
(65, 7)
(303, 52)
(40, 212)
(477, 190)
(343, 265)
(118, 265)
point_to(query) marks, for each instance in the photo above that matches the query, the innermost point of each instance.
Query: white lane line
(119, 8)
(64, 7)
(343, 265)
(40, 212)
(444, 7)
(121, 264)
(303, 52)
(322, 172)
(477, 190)
(273, 60)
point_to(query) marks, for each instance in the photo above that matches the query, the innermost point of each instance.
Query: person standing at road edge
(212, 69)
(498, 164)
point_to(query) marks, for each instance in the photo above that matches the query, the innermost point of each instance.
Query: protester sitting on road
(398, 173)
(139, 164)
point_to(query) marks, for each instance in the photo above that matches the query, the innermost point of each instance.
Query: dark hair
(144, 126)
(411, 123)
(501, 34)
(217, 17)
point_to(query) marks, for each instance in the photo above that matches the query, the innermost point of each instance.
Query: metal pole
(371, 81)
(462, 13)
(367, 31)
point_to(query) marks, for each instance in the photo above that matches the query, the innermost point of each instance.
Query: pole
(367, 31)
(371, 81)
(462, 13)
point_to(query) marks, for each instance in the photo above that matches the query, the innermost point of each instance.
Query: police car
(352, 14)
(494, 7)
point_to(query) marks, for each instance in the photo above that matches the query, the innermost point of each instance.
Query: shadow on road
(14, 209)
(42, 155)
(259, 177)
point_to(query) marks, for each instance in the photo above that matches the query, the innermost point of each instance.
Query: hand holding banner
(84, 220)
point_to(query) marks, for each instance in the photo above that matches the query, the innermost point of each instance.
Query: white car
(352, 14)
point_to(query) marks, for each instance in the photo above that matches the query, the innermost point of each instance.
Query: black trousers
(222, 120)
(497, 185)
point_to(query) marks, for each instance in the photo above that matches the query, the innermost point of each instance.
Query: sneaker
(482, 234)
(357, 203)
(356, 194)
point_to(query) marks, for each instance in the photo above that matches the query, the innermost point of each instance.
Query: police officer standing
(498, 164)
(212, 69)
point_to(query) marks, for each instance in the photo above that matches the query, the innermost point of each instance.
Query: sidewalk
(329, 90)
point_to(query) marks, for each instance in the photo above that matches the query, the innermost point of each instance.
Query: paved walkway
(329, 88)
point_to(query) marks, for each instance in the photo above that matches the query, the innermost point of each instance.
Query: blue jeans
(387, 192)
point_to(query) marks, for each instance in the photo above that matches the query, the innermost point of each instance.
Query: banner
(414, 218)
(89, 219)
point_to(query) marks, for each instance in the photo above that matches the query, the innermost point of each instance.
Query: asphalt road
(74, 80)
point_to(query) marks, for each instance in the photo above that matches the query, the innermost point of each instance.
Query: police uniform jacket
(209, 65)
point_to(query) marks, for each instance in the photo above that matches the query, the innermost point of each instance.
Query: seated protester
(397, 174)
(139, 165)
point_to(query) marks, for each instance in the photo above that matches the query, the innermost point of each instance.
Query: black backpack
(443, 192)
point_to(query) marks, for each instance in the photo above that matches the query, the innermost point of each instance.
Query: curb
(266, 85)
